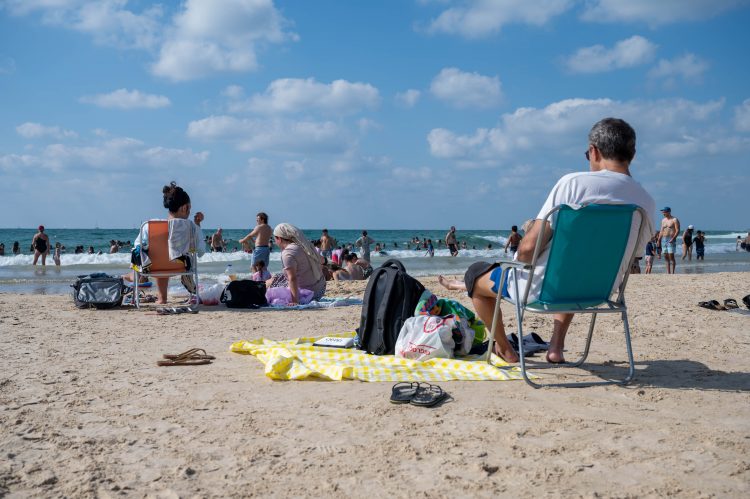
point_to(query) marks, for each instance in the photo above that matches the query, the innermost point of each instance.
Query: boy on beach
(263, 233)
(611, 150)
(699, 241)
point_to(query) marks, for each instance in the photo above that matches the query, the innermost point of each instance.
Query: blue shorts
(262, 253)
(667, 247)
(495, 277)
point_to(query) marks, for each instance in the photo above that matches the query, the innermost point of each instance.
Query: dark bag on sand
(244, 294)
(98, 290)
(390, 298)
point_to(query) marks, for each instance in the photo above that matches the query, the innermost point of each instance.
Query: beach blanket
(322, 303)
(298, 359)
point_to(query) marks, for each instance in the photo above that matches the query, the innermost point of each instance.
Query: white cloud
(626, 53)
(742, 116)
(281, 136)
(479, 18)
(466, 90)
(293, 95)
(7, 65)
(206, 38)
(656, 13)
(688, 67)
(107, 21)
(233, 92)
(114, 154)
(31, 130)
(126, 99)
(408, 98)
(561, 128)
(293, 169)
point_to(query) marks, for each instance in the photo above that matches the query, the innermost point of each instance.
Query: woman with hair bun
(177, 204)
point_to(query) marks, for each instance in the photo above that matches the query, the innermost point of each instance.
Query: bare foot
(452, 284)
(508, 354)
(555, 357)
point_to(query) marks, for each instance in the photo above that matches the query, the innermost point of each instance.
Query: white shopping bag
(426, 337)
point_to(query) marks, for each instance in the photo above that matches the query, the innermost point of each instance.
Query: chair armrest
(507, 262)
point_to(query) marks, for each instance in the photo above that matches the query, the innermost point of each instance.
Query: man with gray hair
(608, 181)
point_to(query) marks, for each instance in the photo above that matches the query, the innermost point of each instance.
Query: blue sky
(355, 114)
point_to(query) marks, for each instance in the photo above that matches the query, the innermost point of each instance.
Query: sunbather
(610, 152)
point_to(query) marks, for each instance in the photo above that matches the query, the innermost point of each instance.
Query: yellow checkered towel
(298, 359)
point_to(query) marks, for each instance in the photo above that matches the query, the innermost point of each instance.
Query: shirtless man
(513, 240)
(451, 241)
(40, 243)
(263, 233)
(326, 244)
(670, 229)
(217, 241)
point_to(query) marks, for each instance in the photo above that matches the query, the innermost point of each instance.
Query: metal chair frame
(606, 307)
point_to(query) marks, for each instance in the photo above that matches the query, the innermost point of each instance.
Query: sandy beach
(85, 411)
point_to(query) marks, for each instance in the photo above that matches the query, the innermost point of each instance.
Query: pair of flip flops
(729, 304)
(192, 357)
(532, 343)
(176, 310)
(419, 394)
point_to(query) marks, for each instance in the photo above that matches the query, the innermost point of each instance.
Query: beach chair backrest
(158, 248)
(587, 248)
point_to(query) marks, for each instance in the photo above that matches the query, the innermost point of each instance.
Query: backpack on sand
(244, 294)
(390, 298)
(98, 290)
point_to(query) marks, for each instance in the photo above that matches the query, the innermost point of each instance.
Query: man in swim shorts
(610, 152)
(40, 244)
(670, 228)
(326, 244)
(262, 234)
(513, 240)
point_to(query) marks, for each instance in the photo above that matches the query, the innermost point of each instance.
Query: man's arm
(526, 247)
(676, 230)
(252, 234)
(507, 243)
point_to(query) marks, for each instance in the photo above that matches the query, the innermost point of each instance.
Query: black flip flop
(746, 301)
(428, 395)
(404, 392)
(527, 352)
(730, 303)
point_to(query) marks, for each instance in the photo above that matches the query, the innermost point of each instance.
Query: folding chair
(577, 279)
(157, 248)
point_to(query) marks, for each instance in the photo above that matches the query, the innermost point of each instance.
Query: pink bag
(282, 296)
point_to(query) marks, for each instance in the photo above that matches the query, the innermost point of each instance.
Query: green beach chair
(577, 279)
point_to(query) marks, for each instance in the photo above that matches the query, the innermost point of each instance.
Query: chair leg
(631, 363)
(588, 345)
(136, 298)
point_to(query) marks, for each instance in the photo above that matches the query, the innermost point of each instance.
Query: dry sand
(85, 411)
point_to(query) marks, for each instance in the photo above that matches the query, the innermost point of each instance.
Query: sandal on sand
(528, 349)
(176, 310)
(403, 393)
(182, 362)
(730, 303)
(428, 395)
(712, 305)
(192, 354)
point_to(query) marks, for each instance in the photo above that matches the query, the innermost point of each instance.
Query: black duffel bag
(98, 290)
(244, 294)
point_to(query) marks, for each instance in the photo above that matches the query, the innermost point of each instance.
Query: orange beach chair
(158, 253)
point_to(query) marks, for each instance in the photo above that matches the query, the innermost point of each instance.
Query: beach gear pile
(396, 341)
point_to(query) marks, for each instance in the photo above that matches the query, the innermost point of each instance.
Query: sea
(18, 275)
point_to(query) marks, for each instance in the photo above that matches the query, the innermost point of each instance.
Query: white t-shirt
(603, 187)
